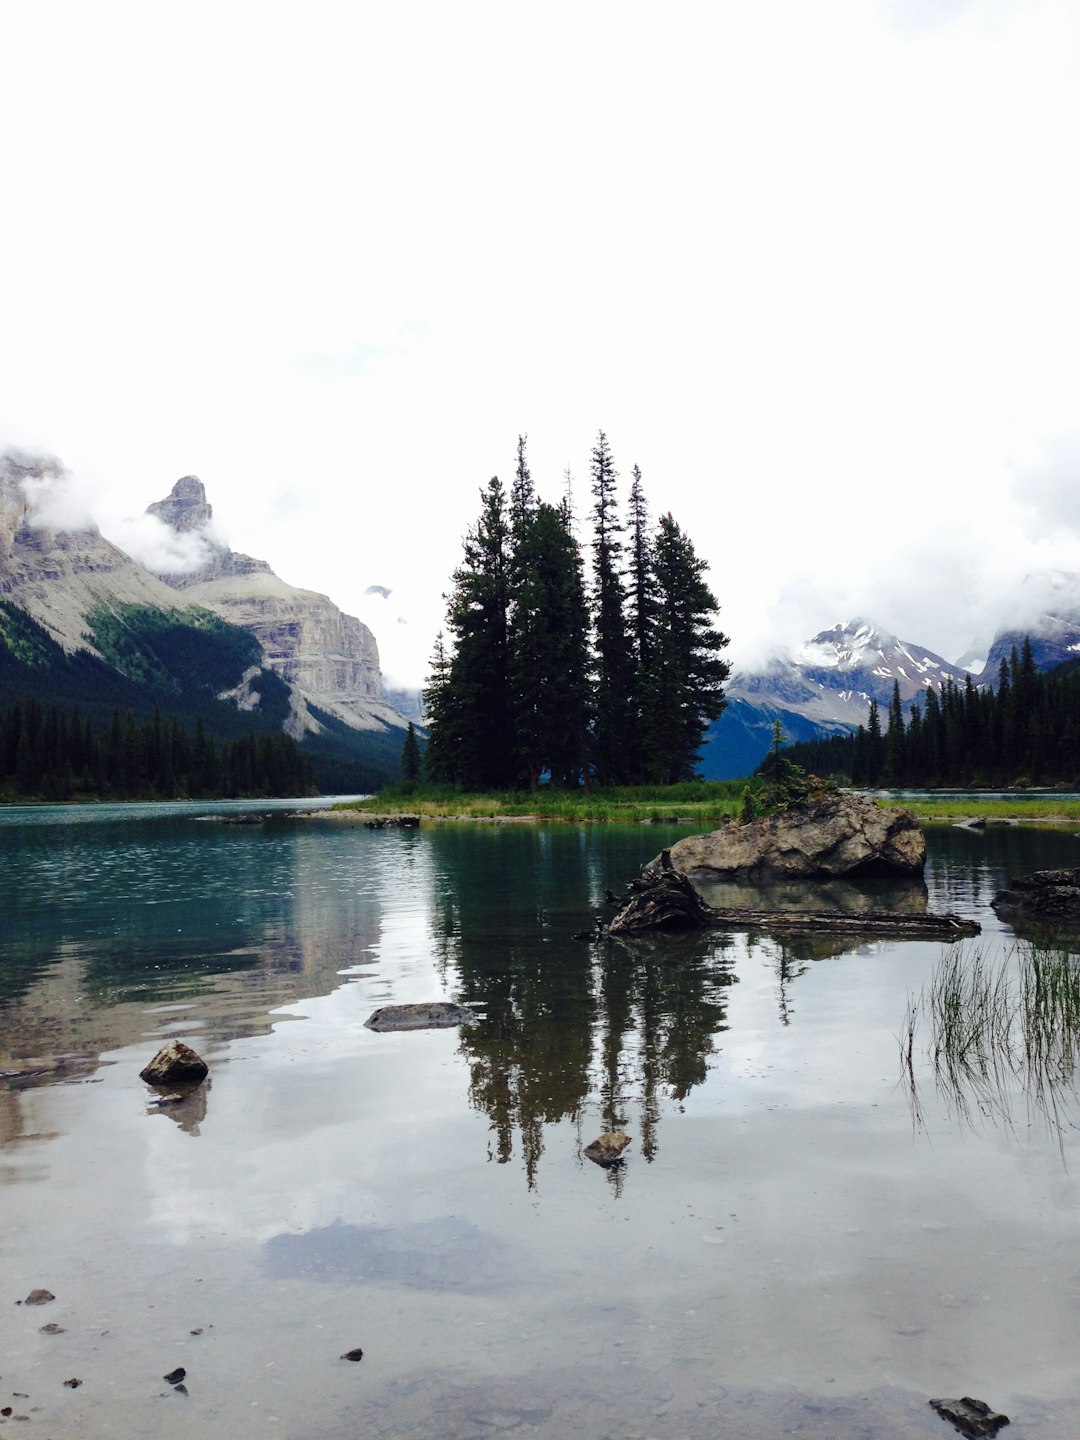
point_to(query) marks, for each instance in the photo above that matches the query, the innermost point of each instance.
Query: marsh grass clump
(998, 1029)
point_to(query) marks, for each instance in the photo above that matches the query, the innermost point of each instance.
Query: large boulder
(835, 834)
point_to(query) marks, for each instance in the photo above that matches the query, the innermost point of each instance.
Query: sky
(812, 267)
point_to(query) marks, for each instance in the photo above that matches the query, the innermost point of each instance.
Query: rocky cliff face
(329, 658)
(58, 569)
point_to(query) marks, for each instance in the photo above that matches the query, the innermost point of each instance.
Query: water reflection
(126, 932)
(567, 1027)
(997, 1032)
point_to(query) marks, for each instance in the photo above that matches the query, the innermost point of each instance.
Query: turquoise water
(785, 1249)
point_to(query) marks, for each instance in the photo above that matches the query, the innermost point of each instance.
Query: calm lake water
(788, 1248)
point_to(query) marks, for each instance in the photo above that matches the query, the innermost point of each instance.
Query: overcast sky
(812, 266)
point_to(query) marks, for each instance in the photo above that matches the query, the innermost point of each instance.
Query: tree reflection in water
(568, 1027)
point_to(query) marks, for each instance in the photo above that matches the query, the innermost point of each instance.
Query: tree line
(548, 674)
(49, 753)
(1026, 730)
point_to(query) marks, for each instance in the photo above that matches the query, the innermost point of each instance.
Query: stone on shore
(830, 835)
(175, 1064)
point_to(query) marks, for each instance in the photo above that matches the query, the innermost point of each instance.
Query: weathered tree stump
(664, 899)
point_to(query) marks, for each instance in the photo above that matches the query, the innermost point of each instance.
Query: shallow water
(785, 1249)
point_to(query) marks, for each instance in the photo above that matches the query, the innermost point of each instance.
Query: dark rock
(971, 1417)
(356, 1354)
(73, 1383)
(175, 1064)
(175, 1376)
(51, 1329)
(1050, 896)
(180, 1389)
(833, 834)
(6, 1411)
(607, 1149)
(436, 1015)
(39, 1297)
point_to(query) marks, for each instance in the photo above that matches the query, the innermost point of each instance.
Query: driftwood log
(665, 900)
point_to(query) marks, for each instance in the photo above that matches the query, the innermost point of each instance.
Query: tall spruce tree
(613, 734)
(686, 671)
(477, 752)
(641, 599)
(550, 668)
(410, 756)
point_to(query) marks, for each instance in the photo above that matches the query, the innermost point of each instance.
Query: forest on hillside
(47, 753)
(1023, 731)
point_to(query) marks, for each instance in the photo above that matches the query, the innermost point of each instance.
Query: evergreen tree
(893, 773)
(875, 757)
(551, 667)
(410, 756)
(686, 672)
(477, 697)
(613, 736)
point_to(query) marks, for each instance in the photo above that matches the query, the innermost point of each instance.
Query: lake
(793, 1244)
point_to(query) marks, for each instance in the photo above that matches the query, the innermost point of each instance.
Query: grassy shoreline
(705, 803)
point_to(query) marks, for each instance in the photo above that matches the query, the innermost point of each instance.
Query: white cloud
(813, 271)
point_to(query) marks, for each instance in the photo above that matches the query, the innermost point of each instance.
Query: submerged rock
(39, 1297)
(606, 1149)
(435, 1015)
(1050, 896)
(175, 1064)
(971, 1417)
(833, 834)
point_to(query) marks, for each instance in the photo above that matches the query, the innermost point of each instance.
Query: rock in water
(436, 1015)
(833, 834)
(1049, 896)
(606, 1149)
(39, 1297)
(971, 1417)
(175, 1064)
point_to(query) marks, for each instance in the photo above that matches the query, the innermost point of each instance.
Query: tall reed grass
(996, 1030)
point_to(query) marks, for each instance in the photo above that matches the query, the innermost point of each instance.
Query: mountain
(329, 659)
(60, 575)
(82, 622)
(824, 688)
(1054, 632)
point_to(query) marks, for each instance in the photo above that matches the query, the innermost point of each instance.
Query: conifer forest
(561, 670)
(1026, 730)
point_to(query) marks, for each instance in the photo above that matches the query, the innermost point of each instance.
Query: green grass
(1029, 808)
(704, 801)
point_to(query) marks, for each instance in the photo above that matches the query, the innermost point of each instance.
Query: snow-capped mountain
(1054, 631)
(825, 686)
